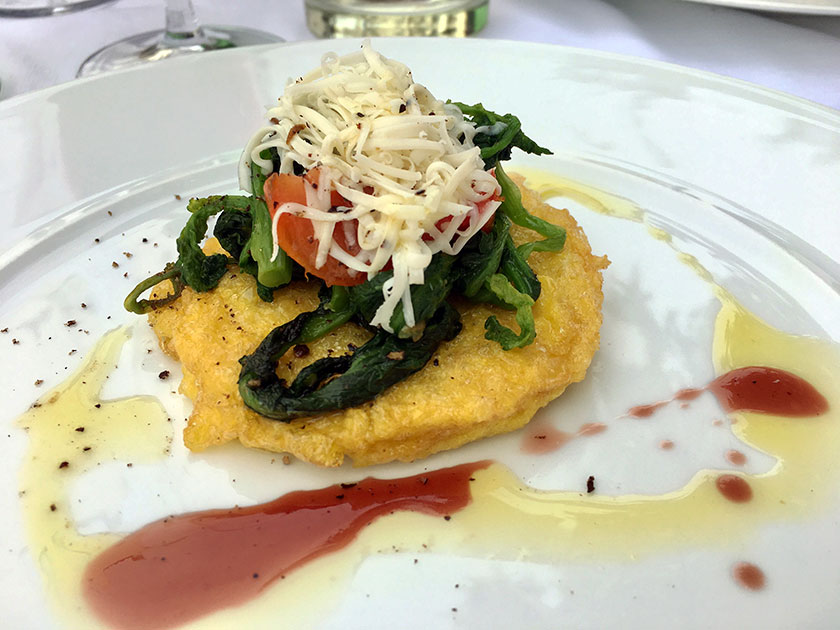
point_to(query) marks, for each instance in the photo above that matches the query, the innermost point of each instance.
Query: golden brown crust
(472, 389)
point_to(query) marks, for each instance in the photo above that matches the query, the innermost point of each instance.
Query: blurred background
(794, 47)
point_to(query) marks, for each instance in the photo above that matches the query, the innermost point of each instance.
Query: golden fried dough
(471, 389)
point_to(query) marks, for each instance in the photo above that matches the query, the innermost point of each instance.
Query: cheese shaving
(403, 159)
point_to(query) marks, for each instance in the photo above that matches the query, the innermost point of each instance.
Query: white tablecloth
(795, 54)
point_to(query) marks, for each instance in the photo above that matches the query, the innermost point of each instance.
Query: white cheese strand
(402, 158)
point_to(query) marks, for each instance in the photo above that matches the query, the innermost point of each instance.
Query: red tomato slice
(296, 235)
(465, 223)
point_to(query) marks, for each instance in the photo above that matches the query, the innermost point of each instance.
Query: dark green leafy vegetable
(193, 267)
(336, 382)
(270, 273)
(233, 230)
(199, 271)
(425, 298)
(504, 291)
(499, 135)
(132, 302)
(480, 261)
(513, 208)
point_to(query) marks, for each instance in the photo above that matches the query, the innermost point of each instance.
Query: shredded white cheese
(403, 159)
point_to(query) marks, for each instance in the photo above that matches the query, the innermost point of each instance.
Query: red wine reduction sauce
(734, 488)
(749, 576)
(755, 388)
(768, 390)
(183, 567)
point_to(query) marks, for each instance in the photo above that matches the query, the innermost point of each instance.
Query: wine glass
(182, 35)
(35, 8)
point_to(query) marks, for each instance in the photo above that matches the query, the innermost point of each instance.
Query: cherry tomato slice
(296, 235)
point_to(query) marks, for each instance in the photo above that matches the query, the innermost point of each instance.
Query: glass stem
(182, 27)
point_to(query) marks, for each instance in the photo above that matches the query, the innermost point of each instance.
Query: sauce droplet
(736, 458)
(768, 390)
(689, 394)
(749, 576)
(540, 440)
(734, 488)
(645, 411)
(592, 428)
(183, 567)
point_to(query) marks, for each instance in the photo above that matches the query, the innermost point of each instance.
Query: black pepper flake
(110, 214)
(339, 496)
(98, 405)
(436, 363)
(80, 429)
(255, 576)
(15, 342)
(70, 322)
(115, 264)
(301, 350)
(96, 240)
(39, 382)
(348, 485)
(447, 517)
(86, 448)
(145, 240)
(590, 485)
(402, 108)
(127, 254)
(178, 197)
(53, 507)
(164, 375)
(64, 464)
(83, 305)
(5, 330)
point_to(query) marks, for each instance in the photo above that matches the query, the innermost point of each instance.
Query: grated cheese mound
(402, 158)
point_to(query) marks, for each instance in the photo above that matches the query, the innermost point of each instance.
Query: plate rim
(745, 87)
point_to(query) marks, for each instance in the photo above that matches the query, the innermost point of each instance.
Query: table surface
(797, 54)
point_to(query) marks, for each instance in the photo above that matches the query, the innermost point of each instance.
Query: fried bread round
(469, 390)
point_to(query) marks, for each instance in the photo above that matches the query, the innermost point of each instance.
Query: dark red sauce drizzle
(734, 488)
(754, 388)
(749, 576)
(183, 567)
(768, 390)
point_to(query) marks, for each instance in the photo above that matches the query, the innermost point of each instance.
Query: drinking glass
(34, 8)
(375, 18)
(182, 35)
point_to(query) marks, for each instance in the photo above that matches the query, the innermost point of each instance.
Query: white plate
(813, 7)
(744, 179)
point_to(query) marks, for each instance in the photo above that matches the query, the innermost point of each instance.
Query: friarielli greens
(488, 269)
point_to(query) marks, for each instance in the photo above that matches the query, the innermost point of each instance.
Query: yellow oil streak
(72, 431)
